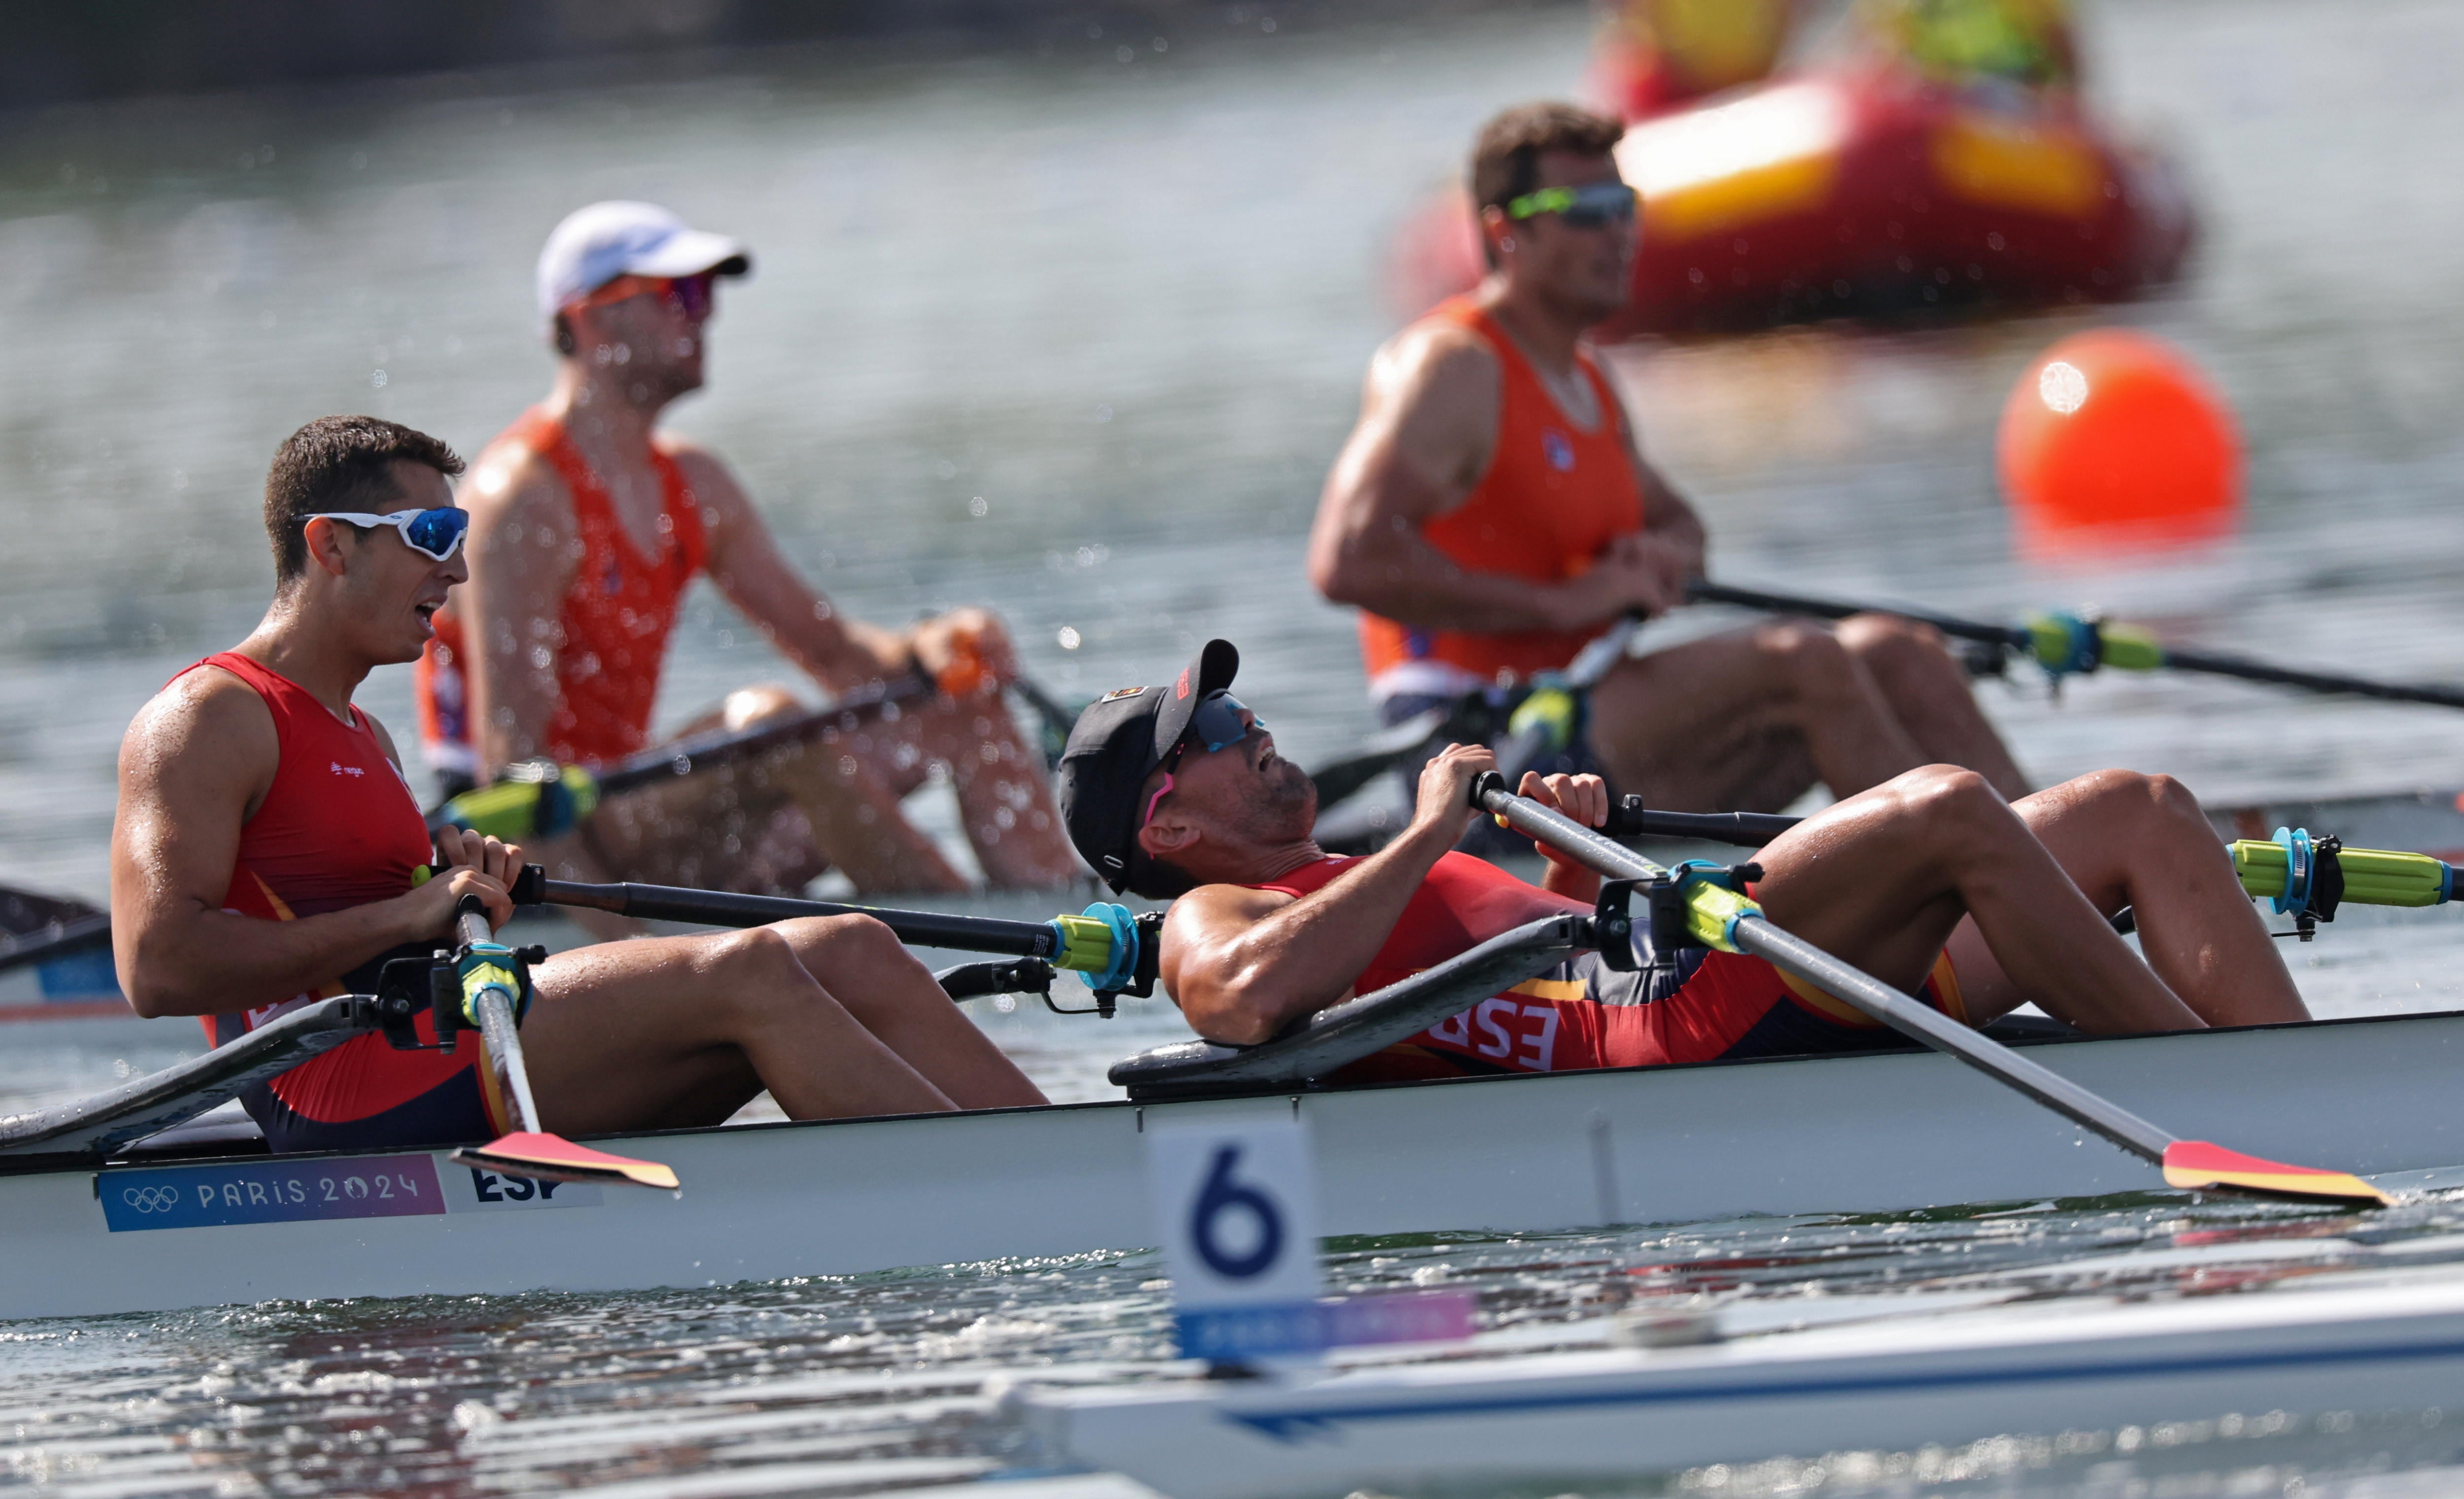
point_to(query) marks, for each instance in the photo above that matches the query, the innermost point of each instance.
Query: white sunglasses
(435, 533)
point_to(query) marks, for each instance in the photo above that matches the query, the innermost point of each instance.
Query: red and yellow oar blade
(2195, 1165)
(559, 1160)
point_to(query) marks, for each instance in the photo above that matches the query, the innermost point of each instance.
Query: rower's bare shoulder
(1214, 912)
(512, 482)
(204, 716)
(712, 483)
(1436, 363)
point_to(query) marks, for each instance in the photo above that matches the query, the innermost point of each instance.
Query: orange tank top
(1552, 501)
(615, 620)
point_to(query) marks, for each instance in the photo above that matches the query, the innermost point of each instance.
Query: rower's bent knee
(750, 958)
(821, 943)
(1946, 796)
(1888, 641)
(748, 706)
(1806, 655)
(2159, 797)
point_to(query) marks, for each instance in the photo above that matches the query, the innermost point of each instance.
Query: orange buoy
(2114, 439)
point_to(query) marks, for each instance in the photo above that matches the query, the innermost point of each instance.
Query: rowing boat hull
(1534, 1153)
(1892, 1387)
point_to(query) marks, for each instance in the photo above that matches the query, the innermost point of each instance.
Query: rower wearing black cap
(1930, 882)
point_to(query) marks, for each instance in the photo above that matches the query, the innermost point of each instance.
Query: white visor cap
(596, 245)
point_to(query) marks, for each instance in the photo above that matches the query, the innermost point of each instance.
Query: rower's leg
(892, 995)
(1676, 726)
(2143, 841)
(1928, 691)
(1004, 802)
(1883, 878)
(680, 1031)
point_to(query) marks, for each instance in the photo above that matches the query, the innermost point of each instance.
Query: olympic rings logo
(150, 1199)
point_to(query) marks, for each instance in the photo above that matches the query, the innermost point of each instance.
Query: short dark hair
(338, 463)
(1505, 158)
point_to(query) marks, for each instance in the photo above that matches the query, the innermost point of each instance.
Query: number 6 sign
(1236, 1209)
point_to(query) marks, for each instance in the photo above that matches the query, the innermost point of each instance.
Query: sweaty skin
(2019, 893)
(664, 1033)
(786, 815)
(1744, 720)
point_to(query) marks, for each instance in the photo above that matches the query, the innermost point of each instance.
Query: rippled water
(1129, 304)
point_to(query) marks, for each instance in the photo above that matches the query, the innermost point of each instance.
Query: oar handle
(1629, 818)
(2370, 877)
(1712, 909)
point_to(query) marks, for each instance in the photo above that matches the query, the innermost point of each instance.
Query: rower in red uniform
(1930, 882)
(267, 851)
(587, 525)
(1493, 511)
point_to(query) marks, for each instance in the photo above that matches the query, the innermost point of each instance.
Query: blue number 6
(1222, 1194)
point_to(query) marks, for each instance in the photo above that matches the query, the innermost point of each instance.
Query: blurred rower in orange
(1492, 512)
(587, 525)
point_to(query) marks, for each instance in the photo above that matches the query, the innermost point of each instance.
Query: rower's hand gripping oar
(493, 984)
(1720, 918)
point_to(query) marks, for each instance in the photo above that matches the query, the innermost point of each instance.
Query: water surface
(1126, 304)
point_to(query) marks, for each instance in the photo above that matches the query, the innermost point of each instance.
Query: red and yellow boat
(1862, 191)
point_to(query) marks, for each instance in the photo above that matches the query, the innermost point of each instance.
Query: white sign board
(1236, 1210)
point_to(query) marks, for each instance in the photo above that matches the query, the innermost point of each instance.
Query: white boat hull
(1888, 1387)
(1530, 1154)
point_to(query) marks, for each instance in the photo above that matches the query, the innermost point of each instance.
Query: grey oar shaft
(495, 1017)
(505, 1047)
(1918, 1022)
(1923, 1022)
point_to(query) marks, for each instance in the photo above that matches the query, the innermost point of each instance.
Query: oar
(493, 981)
(1722, 919)
(69, 926)
(539, 798)
(1110, 946)
(2064, 644)
(2301, 874)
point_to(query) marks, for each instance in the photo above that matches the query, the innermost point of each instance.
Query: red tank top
(339, 827)
(616, 617)
(1552, 501)
(1463, 902)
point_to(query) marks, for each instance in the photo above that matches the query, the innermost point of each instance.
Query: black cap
(1119, 739)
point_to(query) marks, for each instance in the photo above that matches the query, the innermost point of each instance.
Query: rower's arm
(522, 549)
(839, 650)
(1244, 963)
(1428, 432)
(194, 768)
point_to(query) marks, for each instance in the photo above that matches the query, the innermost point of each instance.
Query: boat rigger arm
(95, 1127)
(1358, 1027)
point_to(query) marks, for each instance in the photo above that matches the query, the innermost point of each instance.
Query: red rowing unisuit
(1553, 497)
(339, 827)
(614, 623)
(1580, 1015)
